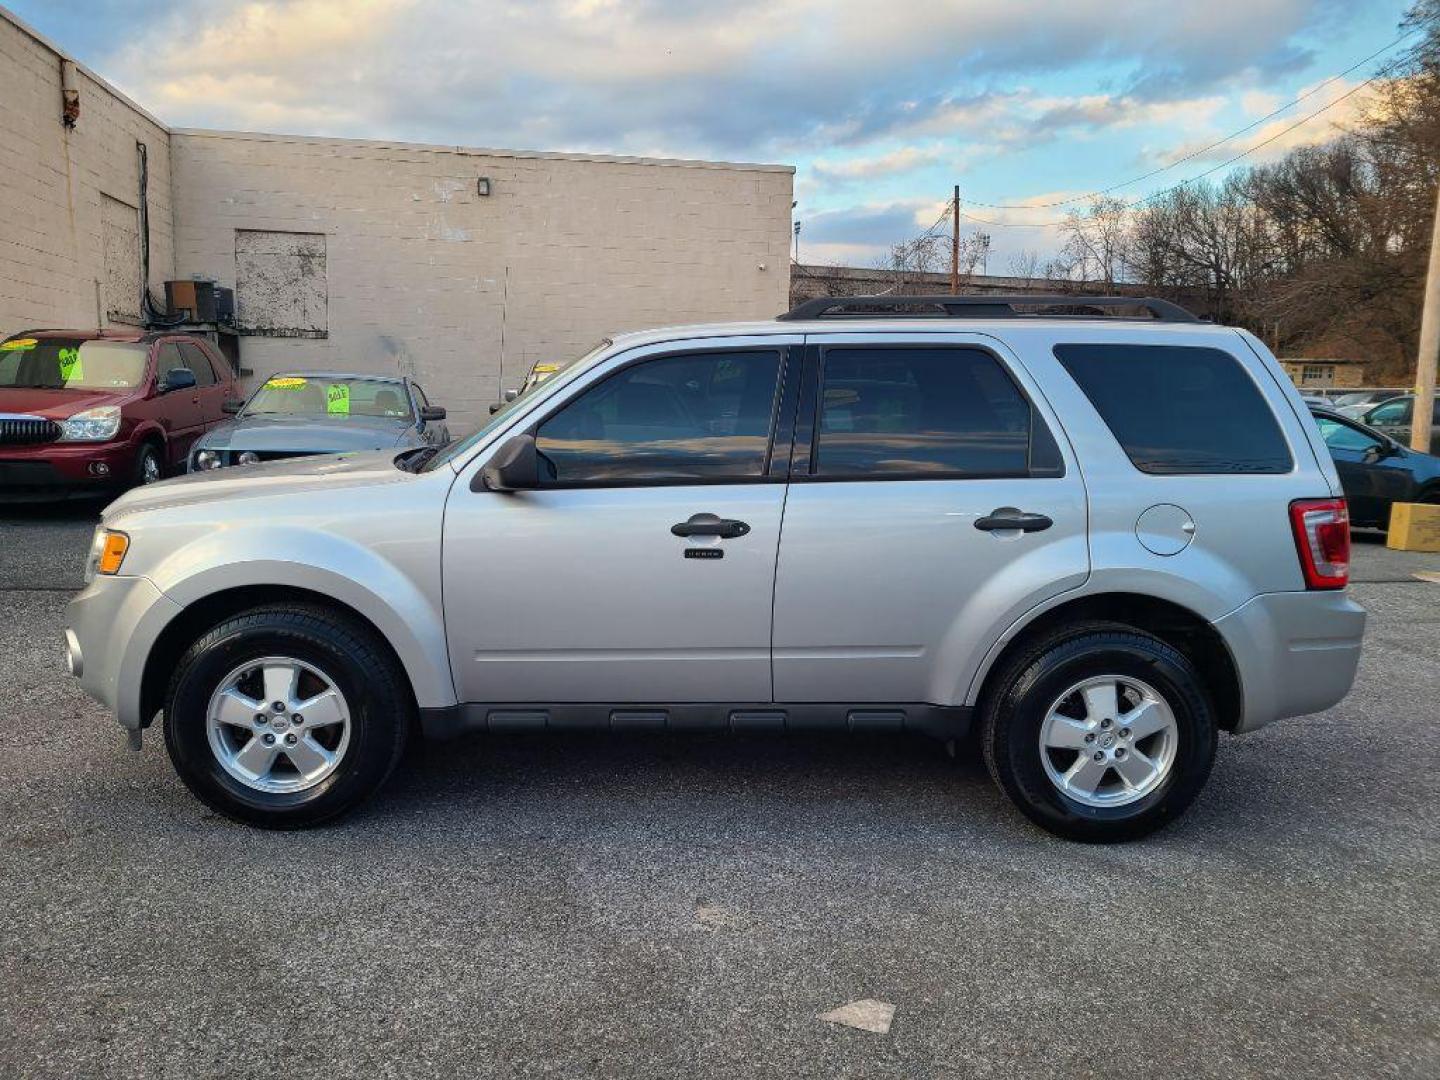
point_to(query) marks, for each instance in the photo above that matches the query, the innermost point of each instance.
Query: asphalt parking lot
(689, 906)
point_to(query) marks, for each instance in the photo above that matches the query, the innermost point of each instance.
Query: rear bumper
(110, 629)
(56, 470)
(1296, 653)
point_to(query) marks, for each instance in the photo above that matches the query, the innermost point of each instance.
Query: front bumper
(110, 629)
(1296, 652)
(53, 470)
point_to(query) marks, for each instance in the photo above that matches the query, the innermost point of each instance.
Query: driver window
(199, 363)
(167, 360)
(700, 416)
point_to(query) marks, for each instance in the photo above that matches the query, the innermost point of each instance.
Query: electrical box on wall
(201, 301)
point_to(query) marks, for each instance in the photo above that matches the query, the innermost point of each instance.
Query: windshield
(329, 398)
(533, 392)
(71, 364)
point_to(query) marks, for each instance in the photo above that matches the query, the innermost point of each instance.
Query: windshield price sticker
(70, 364)
(18, 343)
(337, 399)
(286, 384)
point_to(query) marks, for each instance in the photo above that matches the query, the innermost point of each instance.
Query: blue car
(301, 413)
(1376, 470)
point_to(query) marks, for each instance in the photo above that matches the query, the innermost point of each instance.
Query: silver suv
(1092, 540)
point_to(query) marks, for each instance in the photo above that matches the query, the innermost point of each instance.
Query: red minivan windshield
(71, 364)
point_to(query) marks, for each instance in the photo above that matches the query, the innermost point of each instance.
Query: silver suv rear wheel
(1108, 740)
(1099, 731)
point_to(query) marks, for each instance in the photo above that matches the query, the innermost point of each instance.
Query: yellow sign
(70, 364)
(18, 343)
(286, 384)
(337, 399)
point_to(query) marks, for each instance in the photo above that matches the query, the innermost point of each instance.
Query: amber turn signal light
(113, 554)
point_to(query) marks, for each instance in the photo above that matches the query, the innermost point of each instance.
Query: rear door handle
(1007, 517)
(710, 525)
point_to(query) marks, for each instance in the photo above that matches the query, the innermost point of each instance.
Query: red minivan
(89, 412)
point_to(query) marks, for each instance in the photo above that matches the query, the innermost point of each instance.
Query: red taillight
(1322, 535)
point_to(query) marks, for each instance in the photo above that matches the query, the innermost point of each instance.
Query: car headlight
(92, 425)
(208, 459)
(107, 552)
(248, 457)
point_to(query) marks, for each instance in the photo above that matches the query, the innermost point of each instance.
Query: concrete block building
(458, 266)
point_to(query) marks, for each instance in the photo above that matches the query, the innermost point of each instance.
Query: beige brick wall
(425, 277)
(52, 183)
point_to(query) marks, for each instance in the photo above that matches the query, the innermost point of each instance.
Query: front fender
(399, 594)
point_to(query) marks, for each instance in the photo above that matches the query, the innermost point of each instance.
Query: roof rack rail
(980, 306)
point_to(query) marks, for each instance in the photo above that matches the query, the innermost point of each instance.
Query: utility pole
(1424, 411)
(797, 243)
(955, 243)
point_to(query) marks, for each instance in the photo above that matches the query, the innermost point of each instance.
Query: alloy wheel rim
(1109, 741)
(150, 469)
(278, 725)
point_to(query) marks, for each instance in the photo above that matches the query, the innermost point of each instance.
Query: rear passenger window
(926, 412)
(1179, 409)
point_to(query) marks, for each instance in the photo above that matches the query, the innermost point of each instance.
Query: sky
(881, 107)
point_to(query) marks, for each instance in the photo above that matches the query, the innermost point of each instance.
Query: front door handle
(1007, 517)
(710, 525)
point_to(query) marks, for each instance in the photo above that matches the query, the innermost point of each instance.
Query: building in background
(1324, 374)
(459, 267)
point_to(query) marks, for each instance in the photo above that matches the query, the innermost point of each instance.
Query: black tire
(146, 457)
(1030, 684)
(375, 689)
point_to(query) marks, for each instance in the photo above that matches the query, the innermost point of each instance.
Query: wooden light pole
(955, 243)
(1429, 345)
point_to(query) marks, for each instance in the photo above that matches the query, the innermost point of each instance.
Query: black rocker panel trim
(941, 721)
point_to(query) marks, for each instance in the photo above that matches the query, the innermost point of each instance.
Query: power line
(1218, 142)
(1201, 175)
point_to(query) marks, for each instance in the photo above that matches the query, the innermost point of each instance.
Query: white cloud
(754, 78)
(896, 162)
(1341, 106)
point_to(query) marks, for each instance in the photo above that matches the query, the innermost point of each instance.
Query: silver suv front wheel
(287, 715)
(278, 724)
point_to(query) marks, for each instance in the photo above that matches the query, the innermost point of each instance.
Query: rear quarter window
(1179, 409)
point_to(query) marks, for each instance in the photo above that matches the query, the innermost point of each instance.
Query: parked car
(1395, 416)
(299, 414)
(87, 412)
(1375, 470)
(1357, 403)
(1100, 540)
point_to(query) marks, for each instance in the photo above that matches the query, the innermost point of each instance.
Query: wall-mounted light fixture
(482, 186)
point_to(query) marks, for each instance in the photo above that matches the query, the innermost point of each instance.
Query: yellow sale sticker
(286, 384)
(18, 343)
(337, 399)
(70, 367)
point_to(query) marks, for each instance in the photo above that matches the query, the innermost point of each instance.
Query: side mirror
(180, 378)
(514, 467)
(431, 412)
(231, 406)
